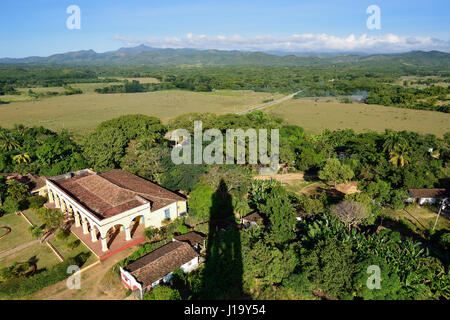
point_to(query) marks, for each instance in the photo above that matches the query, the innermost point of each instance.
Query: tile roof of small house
(254, 217)
(33, 181)
(430, 193)
(191, 238)
(160, 262)
(113, 192)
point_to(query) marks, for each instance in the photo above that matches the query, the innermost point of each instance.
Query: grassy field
(81, 113)
(40, 253)
(316, 116)
(19, 232)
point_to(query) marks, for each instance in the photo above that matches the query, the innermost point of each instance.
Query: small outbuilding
(252, 219)
(194, 239)
(157, 267)
(432, 195)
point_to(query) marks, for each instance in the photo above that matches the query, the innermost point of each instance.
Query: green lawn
(61, 247)
(44, 255)
(419, 219)
(19, 232)
(34, 218)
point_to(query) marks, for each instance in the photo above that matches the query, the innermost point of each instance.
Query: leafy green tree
(104, 149)
(52, 219)
(200, 202)
(17, 189)
(390, 286)
(8, 142)
(36, 232)
(331, 266)
(11, 205)
(281, 213)
(335, 171)
(266, 264)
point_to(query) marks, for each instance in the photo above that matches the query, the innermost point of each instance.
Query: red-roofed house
(103, 203)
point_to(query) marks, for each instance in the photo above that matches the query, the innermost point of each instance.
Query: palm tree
(145, 144)
(241, 207)
(22, 158)
(393, 139)
(7, 142)
(400, 155)
(20, 129)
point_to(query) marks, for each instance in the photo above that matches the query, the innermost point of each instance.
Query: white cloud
(296, 43)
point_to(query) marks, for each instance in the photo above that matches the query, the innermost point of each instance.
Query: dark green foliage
(281, 214)
(162, 292)
(36, 202)
(331, 266)
(11, 205)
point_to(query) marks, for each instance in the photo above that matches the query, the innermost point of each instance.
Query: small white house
(157, 266)
(433, 195)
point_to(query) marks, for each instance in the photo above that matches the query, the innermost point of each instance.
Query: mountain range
(144, 55)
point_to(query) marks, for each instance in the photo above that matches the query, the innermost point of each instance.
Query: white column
(85, 225)
(127, 233)
(77, 219)
(93, 233)
(63, 205)
(57, 201)
(104, 244)
(50, 195)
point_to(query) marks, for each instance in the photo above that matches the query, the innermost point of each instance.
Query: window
(167, 213)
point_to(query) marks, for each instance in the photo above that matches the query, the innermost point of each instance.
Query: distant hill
(144, 55)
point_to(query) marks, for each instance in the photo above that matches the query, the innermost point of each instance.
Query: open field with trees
(81, 113)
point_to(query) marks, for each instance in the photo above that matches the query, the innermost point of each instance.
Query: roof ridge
(179, 244)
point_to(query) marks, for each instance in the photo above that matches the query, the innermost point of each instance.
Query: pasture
(83, 112)
(314, 117)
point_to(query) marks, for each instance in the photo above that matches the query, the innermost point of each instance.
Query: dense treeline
(369, 85)
(39, 150)
(45, 76)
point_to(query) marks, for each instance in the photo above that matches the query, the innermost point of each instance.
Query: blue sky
(39, 27)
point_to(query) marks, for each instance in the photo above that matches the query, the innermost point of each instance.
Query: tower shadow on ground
(222, 274)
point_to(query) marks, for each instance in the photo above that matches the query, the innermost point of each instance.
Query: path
(270, 103)
(16, 249)
(93, 284)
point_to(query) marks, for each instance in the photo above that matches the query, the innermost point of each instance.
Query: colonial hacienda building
(112, 203)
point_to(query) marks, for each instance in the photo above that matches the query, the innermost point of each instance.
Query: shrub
(183, 229)
(300, 285)
(444, 241)
(150, 233)
(10, 205)
(73, 244)
(162, 292)
(36, 202)
(62, 234)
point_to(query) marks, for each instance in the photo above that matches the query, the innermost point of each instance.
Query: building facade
(111, 201)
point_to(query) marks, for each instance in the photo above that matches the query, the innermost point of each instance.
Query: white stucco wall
(155, 218)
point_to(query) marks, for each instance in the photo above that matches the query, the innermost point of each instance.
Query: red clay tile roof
(254, 217)
(430, 193)
(157, 195)
(115, 191)
(160, 262)
(192, 238)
